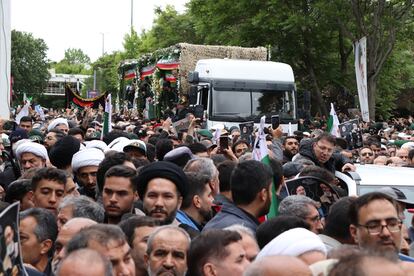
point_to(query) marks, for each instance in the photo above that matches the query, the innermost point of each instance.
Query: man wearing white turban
(59, 123)
(31, 155)
(296, 242)
(85, 165)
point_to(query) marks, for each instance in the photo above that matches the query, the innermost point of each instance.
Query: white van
(371, 178)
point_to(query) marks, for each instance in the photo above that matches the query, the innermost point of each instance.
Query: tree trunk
(372, 89)
(317, 95)
(343, 53)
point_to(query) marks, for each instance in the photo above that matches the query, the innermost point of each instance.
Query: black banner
(74, 100)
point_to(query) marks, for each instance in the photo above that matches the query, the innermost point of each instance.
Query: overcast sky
(80, 24)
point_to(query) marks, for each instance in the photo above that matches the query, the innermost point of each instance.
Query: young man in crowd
(196, 209)
(48, 189)
(252, 192)
(26, 123)
(119, 193)
(217, 252)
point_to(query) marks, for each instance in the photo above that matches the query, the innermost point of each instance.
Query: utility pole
(94, 80)
(103, 43)
(132, 15)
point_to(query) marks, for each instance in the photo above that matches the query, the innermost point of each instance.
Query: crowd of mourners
(149, 199)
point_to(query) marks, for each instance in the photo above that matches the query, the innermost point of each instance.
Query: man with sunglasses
(375, 224)
(366, 155)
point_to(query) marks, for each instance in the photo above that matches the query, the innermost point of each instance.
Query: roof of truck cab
(385, 175)
(246, 70)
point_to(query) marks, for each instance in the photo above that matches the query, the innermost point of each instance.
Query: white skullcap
(97, 144)
(31, 147)
(87, 157)
(57, 122)
(293, 242)
(403, 135)
(118, 144)
(408, 145)
(18, 143)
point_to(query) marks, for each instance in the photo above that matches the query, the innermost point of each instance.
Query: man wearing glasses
(321, 151)
(375, 224)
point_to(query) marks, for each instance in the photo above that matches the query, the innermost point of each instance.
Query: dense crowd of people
(151, 198)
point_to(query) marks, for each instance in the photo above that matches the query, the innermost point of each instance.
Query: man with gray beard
(167, 251)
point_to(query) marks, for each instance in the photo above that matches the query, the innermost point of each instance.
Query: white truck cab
(236, 91)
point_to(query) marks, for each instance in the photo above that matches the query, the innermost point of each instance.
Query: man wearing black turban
(161, 187)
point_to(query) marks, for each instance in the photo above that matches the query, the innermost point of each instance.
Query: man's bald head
(76, 224)
(278, 266)
(85, 262)
(69, 229)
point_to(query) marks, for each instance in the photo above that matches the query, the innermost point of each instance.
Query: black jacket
(335, 163)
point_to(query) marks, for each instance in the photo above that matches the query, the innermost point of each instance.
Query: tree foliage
(29, 64)
(314, 36)
(132, 45)
(75, 61)
(169, 28)
(380, 21)
(107, 79)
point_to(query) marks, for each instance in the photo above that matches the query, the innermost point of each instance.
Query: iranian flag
(260, 153)
(130, 74)
(333, 123)
(106, 128)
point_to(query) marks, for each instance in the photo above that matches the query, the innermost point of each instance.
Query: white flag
(23, 112)
(360, 50)
(39, 111)
(216, 136)
(333, 123)
(260, 147)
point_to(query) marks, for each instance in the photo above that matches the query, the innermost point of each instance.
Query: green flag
(260, 154)
(107, 127)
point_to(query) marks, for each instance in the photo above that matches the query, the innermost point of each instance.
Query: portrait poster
(10, 252)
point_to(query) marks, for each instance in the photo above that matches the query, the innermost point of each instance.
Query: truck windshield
(234, 105)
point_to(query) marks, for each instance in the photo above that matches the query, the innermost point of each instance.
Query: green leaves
(74, 62)
(28, 63)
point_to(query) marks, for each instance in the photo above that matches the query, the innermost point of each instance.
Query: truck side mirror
(193, 77)
(192, 95)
